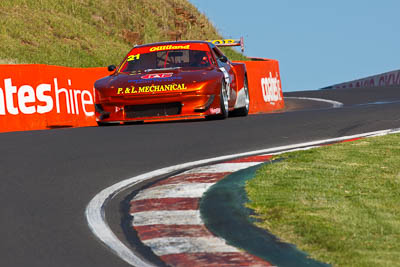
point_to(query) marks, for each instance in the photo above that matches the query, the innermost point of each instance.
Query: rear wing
(228, 42)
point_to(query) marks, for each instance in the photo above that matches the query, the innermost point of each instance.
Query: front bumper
(178, 106)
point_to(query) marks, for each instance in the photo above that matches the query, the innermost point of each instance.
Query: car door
(225, 66)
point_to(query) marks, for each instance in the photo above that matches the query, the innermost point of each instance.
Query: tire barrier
(37, 97)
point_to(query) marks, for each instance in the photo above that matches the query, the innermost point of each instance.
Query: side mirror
(223, 59)
(111, 68)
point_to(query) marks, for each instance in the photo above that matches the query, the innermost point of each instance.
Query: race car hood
(157, 81)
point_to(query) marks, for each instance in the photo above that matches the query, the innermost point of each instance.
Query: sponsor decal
(152, 89)
(26, 99)
(271, 89)
(169, 47)
(228, 42)
(223, 42)
(154, 80)
(215, 110)
(133, 57)
(157, 75)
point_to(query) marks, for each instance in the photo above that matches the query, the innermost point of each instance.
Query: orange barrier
(264, 85)
(35, 97)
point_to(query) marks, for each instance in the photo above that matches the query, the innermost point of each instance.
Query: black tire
(244, 111)
(223, 98)
(99, 123)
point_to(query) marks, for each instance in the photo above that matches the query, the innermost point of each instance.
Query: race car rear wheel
(244, 111)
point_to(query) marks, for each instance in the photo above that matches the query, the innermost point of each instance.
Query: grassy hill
(91, 33)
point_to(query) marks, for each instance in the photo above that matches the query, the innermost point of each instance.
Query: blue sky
(317, 43)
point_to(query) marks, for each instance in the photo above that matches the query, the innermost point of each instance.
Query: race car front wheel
(224, 101)
(99, 123)
(223, 104)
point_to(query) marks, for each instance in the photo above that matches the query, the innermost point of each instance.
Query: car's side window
(212, 56)
(218, 56)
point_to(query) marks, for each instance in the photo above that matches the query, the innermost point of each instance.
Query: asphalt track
(48, 177)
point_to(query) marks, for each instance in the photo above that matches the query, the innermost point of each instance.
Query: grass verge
(339, 203)
(94, 33)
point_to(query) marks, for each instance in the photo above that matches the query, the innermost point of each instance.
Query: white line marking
(189, 190)
(168, 217)
(223, 167)
(335, 104)
(95, 214)
(176, 245)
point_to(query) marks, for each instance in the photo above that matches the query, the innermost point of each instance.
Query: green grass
(92, 33)
(339, 203)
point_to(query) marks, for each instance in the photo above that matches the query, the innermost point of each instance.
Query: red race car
(171, 81)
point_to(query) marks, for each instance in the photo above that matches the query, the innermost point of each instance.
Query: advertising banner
(386, 79)
(265, 86)
(34, 97)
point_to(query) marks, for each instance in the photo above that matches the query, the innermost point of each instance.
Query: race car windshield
(167, 59)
